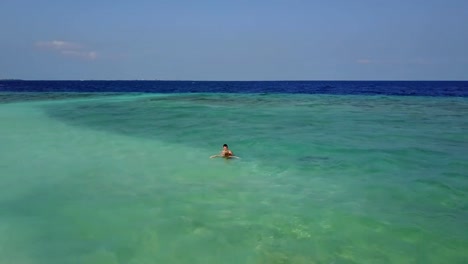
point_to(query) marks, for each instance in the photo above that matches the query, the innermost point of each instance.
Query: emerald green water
(321, 179)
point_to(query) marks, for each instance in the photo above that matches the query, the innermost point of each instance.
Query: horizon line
(279, 80)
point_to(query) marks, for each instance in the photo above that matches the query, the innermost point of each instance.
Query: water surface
(126, 178)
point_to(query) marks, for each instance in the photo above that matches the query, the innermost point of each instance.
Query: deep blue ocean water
(415, 88)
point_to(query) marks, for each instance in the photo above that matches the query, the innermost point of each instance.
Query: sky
(234, 40)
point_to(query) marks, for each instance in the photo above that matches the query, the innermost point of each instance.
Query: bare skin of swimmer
(225, 153)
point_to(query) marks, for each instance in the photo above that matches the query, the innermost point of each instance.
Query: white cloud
(58, 45)
(68, 49)
(91, 55)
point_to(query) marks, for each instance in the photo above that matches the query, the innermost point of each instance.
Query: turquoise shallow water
(321, 179)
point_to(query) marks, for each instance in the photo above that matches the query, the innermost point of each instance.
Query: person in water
(225, 153)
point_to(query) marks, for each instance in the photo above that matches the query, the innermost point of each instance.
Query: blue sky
(234, 40)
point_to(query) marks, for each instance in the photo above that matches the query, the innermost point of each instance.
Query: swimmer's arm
(215, 156)
(218, 155)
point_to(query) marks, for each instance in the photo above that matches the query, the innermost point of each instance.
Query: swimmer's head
(225, 146)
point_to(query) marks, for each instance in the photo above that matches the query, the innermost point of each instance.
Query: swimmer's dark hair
(225, 145)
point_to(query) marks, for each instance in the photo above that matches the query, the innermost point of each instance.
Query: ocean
(329, 172)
